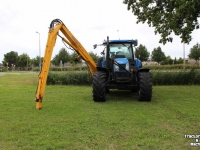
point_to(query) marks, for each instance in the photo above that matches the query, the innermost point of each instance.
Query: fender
(104, 70)
(142, 70)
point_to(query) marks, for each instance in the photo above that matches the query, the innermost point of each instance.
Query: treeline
(23, 61)
(159, 56)
(12, 59)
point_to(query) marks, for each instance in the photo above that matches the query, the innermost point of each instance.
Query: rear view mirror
(95, 46)
(136, 42)
(102, 53)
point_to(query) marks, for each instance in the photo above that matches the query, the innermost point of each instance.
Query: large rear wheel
(99, 86)
(145, 91)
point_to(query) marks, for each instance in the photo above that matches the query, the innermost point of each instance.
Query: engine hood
(121, 60)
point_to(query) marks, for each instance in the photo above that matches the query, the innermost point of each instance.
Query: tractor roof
(120, 41)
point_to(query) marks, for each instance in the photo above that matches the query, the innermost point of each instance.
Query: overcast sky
(91, 21)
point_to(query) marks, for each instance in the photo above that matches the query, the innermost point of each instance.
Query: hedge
(70, 68)
(70, 78)
(151, 67)
(171, 67)
(191, 77)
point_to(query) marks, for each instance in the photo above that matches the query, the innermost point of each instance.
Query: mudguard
(142, 70)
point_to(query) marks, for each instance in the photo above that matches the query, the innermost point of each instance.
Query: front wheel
(99, 86)
(145, 91)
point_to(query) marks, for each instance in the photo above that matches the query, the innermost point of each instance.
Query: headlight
(127, 66)
(116, 68)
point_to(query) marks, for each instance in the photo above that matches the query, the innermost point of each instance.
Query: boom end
(38, 104)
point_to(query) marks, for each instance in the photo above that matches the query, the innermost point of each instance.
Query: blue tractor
(119, 69)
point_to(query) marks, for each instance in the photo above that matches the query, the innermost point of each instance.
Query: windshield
(121, 51)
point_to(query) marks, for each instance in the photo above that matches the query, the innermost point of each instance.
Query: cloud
(90, 21)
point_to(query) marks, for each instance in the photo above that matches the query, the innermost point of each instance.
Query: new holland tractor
(117, 69)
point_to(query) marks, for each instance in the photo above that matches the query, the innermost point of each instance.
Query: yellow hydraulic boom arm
(56, 26)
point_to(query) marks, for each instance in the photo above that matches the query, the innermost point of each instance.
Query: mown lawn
(70, 119)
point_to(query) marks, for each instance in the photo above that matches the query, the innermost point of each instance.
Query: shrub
(191, 77)
(171, 67)
(36, 69)
(75, 68)
(154, 67)
(70, 78)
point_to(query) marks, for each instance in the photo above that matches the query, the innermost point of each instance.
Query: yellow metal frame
(71, 41)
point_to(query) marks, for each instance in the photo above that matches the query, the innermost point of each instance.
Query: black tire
(99, 86)
(107, 90)
(145, 91)
(134, 91)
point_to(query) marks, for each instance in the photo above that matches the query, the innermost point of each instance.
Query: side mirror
(136, 42)
(102, 53)
(95, 46)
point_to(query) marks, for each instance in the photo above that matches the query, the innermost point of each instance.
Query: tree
(36, 61)
(175, 61)
(94, 56)
(23, 60)
(168, 61)
(178, 16)
(56, 60)
(10, 58)
(74, 59)
(158, 55)
(142, 53)
(180, 60)
(63, 56)
(195, 52)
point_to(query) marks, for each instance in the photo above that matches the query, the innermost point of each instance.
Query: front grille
(122, 74)
(123, 65)
(122, 77)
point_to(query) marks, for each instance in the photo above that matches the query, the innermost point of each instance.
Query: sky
(90, 21)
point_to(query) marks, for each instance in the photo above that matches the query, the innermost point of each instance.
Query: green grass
(70, 119)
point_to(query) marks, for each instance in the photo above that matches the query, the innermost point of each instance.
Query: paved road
(18, 73)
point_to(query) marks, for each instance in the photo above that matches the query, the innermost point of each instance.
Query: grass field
(70, 119)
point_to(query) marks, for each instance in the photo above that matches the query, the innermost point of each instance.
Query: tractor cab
(119, 69)
(121, 52)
